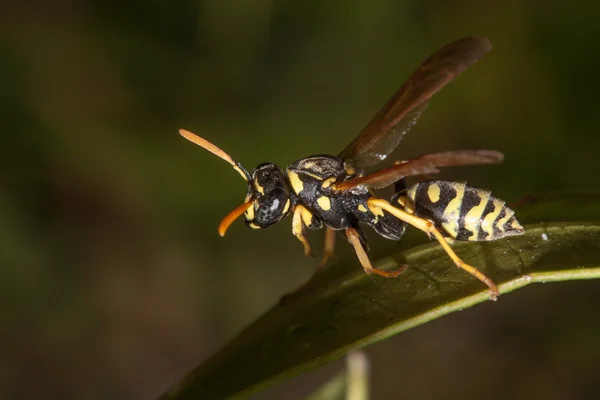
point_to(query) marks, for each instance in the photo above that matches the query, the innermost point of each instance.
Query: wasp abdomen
(461, 211)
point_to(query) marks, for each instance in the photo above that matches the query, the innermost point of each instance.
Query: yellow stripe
(501, 222)
(452, 212)
(295, 181)
(362, 208)
(516, 225)
(473, 218)
(487, 225)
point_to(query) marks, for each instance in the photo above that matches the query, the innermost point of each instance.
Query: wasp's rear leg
(430, 228)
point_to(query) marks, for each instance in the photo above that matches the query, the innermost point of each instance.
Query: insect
(333, 192)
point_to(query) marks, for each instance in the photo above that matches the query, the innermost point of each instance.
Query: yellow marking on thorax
(317, 177)
(362, 208)
(258, 187)
(452, 211)
(473, 217)
(295, 181)
(327, 182)
(253, 225)
(324, 202)
(433, 192)
(487, 225)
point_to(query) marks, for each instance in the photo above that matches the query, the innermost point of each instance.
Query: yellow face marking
(362, 208)
(287, 206)
(433, 192)
(324, 202)
(452, 212)
(487, 225)
(473, 217)
(249, 214)
(295, 181)
(327, 182)
(253, 225)
(259, 188)
(349, 169)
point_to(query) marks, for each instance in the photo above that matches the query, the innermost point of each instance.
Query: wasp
(334, 192)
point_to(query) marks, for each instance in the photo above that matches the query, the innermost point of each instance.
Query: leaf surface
(348, 309)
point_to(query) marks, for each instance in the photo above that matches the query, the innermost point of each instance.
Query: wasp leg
(329, 247)
(354, 239)
(298, 229)
(429, 228)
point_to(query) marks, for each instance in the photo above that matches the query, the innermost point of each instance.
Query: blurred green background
(114, 282)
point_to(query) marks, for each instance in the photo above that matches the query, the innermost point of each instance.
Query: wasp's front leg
(301, 219)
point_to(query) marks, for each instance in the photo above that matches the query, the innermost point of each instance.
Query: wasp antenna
(192, 137)
(232, 216)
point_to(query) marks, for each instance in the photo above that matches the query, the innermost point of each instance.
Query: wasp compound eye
(271, 208)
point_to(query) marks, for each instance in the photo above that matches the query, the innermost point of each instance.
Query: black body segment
(462, 212)
(313, 181)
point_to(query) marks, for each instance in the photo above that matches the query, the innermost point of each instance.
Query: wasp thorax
(269, 192)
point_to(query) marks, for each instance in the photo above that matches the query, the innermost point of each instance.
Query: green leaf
(348, 309)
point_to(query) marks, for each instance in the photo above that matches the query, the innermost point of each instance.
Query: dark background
(113, 280)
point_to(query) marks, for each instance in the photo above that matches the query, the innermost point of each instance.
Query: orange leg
(354, 239)
(329, 247)
(429, 228)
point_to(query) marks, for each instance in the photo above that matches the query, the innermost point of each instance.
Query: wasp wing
(383, 133)
(427, 164)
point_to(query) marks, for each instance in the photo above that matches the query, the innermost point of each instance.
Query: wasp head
(269, 195)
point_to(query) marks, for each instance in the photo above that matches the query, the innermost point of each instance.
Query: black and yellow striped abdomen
(461, 211)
